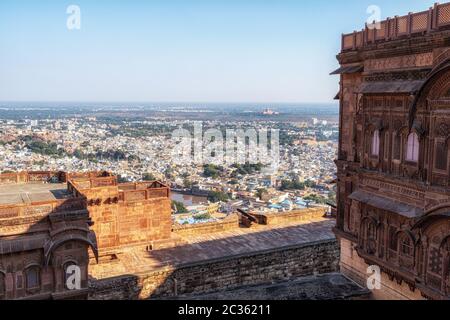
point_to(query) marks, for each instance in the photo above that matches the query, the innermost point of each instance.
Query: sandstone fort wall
(227, 224)
(222, 274)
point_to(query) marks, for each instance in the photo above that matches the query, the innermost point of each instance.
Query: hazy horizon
(234, 51)
(176, 102)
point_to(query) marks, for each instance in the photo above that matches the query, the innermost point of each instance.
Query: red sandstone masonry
(43, 235)
(226, 273)
(125, 214)
(437, 17)
(391, 212)
(290, 216)
(229, 223)
(27, 177)
(232, 222)
(138, 216)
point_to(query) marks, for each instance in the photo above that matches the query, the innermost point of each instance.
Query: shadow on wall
(224, 264)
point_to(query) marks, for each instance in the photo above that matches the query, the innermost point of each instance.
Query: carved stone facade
(394, 163)
(51, 221)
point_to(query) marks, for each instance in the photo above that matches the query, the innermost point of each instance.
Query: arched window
(406, 251)
(2, 285)
(412, 149)
(370, 236)
(406, 246)
(375, 143)
(32, 278)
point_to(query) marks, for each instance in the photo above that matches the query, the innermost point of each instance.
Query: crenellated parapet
(435, 19)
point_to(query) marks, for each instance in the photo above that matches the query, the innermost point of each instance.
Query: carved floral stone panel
(411, 61)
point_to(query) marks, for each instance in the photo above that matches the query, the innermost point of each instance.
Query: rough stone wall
(229, 223)
(222, 274)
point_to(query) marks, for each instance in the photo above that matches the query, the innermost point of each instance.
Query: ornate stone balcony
(414, 24)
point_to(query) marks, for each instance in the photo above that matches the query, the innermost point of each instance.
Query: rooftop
(27, 193)
(219, 245)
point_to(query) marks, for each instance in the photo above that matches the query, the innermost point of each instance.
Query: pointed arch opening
(375, 146)
(412, 148)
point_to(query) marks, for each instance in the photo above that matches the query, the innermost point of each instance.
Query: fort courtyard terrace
(123, 238)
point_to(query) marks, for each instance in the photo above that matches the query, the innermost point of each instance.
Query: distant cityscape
(103, 198)
(139, 147)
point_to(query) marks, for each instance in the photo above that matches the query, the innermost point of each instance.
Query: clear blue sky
(178, 50)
